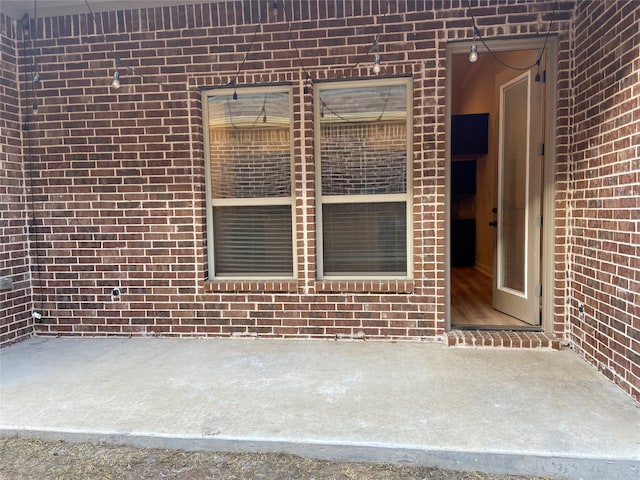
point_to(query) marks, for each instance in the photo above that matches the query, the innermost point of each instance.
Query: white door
(517, 272)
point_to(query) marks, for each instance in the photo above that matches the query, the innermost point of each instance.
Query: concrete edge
(558, 467)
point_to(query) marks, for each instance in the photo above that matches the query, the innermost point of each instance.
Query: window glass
(250, 145)
(365, 238)
(253, 240)
(249, 182)
(362, 130)
(361, 159)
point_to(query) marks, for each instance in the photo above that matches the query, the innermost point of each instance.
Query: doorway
(497, 248)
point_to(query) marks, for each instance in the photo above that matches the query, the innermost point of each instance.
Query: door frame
(548, 179)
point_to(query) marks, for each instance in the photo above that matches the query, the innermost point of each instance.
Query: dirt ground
(22, 459)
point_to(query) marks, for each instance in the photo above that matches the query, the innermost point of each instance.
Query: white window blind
(364, 238)
(253, 240)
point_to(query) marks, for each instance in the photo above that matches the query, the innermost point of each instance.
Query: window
(363, 178)
(249, 182)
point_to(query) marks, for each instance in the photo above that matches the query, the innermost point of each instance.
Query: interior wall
(15, 289)
(604, 243)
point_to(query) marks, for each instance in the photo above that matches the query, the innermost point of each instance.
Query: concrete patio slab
(530, 412)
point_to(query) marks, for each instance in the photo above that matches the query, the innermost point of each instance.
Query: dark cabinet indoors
(463, 223)
(470, 134)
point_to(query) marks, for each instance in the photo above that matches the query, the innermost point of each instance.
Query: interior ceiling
(55, 8)
(464, 70)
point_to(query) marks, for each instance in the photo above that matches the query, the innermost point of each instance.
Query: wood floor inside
(471, 305)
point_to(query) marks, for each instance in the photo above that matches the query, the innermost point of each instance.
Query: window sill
(365, 286)
(242, 286)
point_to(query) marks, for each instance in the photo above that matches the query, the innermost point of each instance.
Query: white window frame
(382, 198)
(211, 203)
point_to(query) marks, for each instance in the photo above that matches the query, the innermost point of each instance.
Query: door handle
(493, 224)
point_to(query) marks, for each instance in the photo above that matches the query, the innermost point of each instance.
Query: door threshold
(498, 328)
(502, 339)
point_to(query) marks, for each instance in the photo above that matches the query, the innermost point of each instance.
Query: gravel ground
(23, 459)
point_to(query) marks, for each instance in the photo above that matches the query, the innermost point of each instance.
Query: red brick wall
(605, 195)
(119, 178)
(15, 301)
